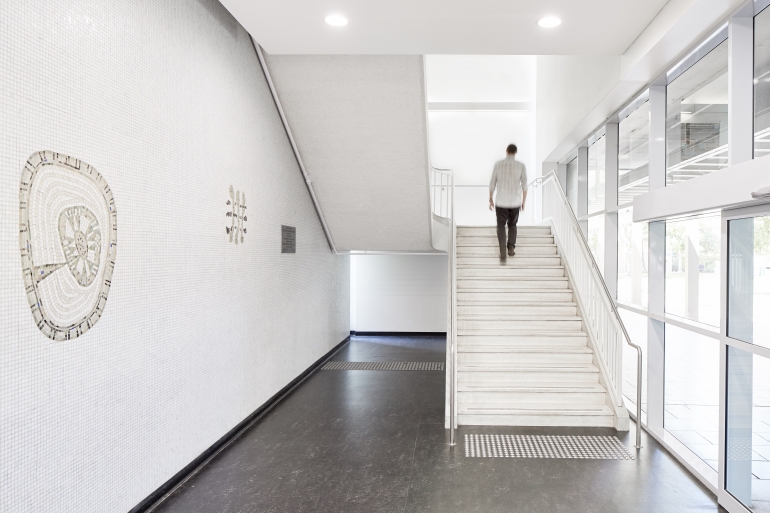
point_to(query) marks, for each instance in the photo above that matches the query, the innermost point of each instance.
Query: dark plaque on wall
(288, 239)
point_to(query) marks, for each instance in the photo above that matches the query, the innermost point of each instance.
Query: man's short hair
(511, 149)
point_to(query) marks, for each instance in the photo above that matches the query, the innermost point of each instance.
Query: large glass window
(572, 184)
(634, 155)
(596, 176)
(696, 118)
(748, 429)
(633, 244)
(762, 83)
(636, 325)
(693, 268)
(692, 392)
(749, 280)
(596, 240)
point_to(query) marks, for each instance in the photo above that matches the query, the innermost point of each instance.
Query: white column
(611, 137)
(561, 172)
(582, 207)
(656, 341)
(740, 89)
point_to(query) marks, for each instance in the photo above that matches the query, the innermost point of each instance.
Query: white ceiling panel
(589, 27)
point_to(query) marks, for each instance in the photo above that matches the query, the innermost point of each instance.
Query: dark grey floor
(373, 441)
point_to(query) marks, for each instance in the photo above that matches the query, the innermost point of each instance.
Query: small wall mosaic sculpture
(237, 215)
(68, 241)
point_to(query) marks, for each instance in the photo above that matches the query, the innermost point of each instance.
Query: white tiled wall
(167, 101)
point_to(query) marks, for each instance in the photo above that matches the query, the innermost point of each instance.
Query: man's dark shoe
(511, 252)
(502, 259)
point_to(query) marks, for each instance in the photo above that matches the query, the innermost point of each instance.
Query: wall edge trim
(156, 498)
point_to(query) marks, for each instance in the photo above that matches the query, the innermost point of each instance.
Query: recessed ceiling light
(336, 20)
(549, 22)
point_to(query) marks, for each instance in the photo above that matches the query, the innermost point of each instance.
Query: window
(748, 429)
(596, 176)
(693, 268)
(634, 155)
(749, 280)
(633, 243)
(762, 83)
(692, 392)
(596, 240)
(636, 325)
(696, 118)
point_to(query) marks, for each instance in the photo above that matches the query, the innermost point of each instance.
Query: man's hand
(522, 205)
(491, 204)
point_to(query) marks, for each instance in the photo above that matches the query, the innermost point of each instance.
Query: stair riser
(517, 261)
(513, 377)
(536, 420)
(519, 296)
(530, 325)
(493, 251)
(492, 240)
(517, 310)
(491, 231)
(523, 358)
(511, 399)
(464, 342)
(480, 283)
(510, 272)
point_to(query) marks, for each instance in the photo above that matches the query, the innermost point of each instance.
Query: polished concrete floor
(374, 441)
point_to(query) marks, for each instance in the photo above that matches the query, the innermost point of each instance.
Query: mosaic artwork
(237, 215)
(68, 241)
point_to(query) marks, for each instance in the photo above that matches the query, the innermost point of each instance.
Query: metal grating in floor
(546, 446)
(385, 366)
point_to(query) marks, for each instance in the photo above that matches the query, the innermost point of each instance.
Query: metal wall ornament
(237, 215)
(68, 242)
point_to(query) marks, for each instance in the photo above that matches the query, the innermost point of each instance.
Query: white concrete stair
(523, 358)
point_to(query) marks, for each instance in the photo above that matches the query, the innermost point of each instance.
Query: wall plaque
(288, 239)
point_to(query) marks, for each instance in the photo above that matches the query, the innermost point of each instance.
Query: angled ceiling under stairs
(359, 124)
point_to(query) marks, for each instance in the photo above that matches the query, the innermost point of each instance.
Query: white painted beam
(727, 188)
(740, 89)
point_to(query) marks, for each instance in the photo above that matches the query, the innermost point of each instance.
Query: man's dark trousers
(510, 216)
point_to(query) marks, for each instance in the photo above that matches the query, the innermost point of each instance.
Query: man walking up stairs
(509, 177)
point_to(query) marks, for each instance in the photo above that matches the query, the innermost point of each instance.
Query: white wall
(167, 101)
(470, 142)
(401, 293)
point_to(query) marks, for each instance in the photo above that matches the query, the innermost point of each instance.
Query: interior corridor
(373, 441)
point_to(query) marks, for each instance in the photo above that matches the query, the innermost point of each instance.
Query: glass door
(744, 469)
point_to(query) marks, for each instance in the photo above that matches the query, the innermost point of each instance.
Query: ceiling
(488, 27)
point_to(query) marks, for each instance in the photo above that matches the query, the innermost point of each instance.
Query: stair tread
(509, 291)
(544, 387)
(526, 367)
(519, 333)
(514, 303)
(539, 409)
(526, 317)
(513, 278)
(524, 349)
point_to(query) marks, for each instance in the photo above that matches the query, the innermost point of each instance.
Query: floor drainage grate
(385, 366)
(546, 446)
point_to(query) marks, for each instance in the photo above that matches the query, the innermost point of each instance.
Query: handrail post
(453, 327)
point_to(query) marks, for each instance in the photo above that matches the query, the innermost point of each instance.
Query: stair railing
(442, 197)
(599, 310)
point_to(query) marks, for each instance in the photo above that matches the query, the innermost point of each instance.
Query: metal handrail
(576, 225)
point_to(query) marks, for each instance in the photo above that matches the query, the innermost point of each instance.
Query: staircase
(523, 358)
